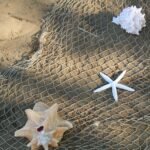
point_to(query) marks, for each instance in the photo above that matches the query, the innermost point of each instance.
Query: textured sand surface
(20, 20)
(78, 40)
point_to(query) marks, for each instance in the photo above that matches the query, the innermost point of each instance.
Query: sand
(20, 20)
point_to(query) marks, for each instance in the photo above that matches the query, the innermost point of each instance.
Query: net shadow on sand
(66, 72)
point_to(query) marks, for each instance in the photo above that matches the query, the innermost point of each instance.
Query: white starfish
(114, 85)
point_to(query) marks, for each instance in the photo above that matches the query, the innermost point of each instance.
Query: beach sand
(20, 20)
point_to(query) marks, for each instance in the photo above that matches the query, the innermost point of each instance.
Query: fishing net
(78, 40)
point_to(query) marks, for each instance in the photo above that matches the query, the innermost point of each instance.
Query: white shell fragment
(44, 127)
(131, 19)
(96, 124)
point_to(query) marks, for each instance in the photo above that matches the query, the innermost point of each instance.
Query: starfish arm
(124, 87)
(114, 92)
(102, 88)
(120, 76)
(106, 78)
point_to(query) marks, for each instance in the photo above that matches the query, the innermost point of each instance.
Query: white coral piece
(44, 126)
(131, 19)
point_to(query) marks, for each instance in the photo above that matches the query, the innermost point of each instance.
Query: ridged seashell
(44, 127)
(131, 19)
